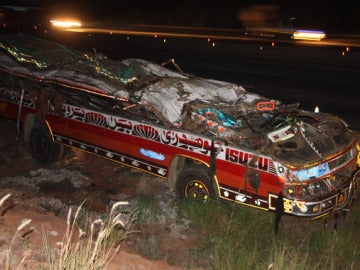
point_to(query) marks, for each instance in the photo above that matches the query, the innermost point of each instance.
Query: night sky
(331, 16)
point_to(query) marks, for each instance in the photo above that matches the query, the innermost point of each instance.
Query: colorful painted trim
(114, 156)
(242, 197)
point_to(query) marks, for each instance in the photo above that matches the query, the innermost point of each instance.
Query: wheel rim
(197, 190)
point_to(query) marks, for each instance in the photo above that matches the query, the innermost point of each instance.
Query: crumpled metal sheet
(169, 95)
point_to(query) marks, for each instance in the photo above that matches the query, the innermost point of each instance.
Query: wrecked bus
(208, 138)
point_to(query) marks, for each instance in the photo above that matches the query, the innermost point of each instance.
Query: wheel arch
(30, 121)
(181, 162)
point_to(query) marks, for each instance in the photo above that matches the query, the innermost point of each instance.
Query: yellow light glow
(309, 35)
(65, 23)
(301, 205)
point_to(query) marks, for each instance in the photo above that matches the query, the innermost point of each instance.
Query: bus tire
(43, 149)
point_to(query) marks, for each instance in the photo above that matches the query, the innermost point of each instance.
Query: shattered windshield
(38, 52)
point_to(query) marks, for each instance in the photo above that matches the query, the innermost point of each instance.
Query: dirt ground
(44, 195)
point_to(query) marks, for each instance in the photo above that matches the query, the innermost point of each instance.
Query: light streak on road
(153, 33)
(309, 35)
(212, 34)
(65, 23)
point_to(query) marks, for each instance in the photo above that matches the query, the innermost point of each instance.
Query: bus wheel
(194, 183)
(43, 149)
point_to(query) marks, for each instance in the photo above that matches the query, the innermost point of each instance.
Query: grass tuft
(20, 228)
(239, 237)
(80, 250)
(148, 209)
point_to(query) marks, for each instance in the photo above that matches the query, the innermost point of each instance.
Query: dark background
(330, 16)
